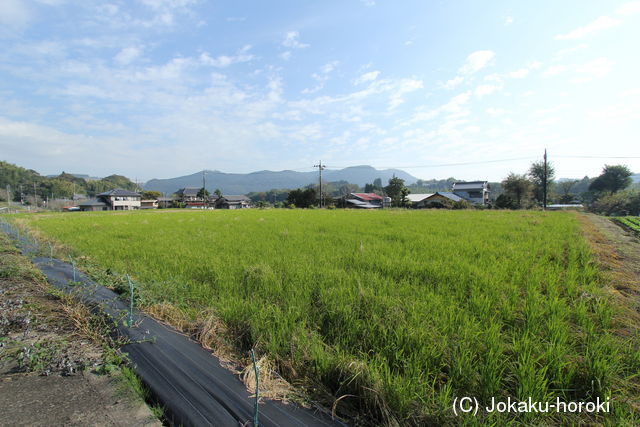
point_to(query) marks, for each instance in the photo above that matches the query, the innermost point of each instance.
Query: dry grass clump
(272, 386)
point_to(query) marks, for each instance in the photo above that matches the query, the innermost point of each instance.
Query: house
(92, 205)
(149, 204)
(189, 196)
(433, 200)
(119, 200)
(232, 202)
(364, 201)
(165, 202)
(418, 201)
(476, 192)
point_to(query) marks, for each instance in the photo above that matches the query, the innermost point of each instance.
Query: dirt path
(48, 365)
(618, 251)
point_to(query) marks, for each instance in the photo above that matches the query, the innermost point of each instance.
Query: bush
(622, 203)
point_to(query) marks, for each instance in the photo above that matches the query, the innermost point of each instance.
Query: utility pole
(544, 182)
(35, 195)
(320, 167)
(204, 189)
(9, 196)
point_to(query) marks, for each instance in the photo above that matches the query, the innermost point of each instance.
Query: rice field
(388, 316)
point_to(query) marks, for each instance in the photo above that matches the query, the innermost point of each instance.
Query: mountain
(636, 177)
(235, 183)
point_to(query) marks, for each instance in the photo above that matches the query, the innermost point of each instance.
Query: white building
(476, 192)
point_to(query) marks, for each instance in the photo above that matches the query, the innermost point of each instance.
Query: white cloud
(554, 70)
(368, 3)
(474, 63)
(291, 40)
(321, 77)
(367, 77)
(286, 55)
(602, 23)
(127, 55)
(477, 61)
(450, 84)
(628, 9)
(495, 112)
(508, 20)
(14, 16)
(403, 87)
(483, 90)
(223, 61)
(597, 68)
(519, 74)
(329, 67)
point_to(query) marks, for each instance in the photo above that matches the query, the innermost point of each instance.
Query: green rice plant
(387, 315)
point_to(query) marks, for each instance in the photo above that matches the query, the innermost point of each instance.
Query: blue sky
(161, 88)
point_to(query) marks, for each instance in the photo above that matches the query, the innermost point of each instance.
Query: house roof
(235, 198)
(119, 192)
(92, 202)
(415, 198)
(367, 196)
(361, 204)
(188, 191)
(449, 195)
(471, 185)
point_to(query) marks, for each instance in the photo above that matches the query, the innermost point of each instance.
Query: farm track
(618, 251)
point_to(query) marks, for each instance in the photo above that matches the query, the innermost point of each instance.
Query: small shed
(93, 205)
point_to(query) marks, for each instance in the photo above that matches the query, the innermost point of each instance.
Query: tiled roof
(367, 196)
(119, 192)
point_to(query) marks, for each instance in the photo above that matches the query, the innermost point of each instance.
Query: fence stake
(256, 370)
(73, 264)
(130, 301)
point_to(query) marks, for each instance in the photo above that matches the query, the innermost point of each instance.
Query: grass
(386, 316)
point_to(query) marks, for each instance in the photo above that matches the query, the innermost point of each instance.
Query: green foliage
(538, 177)
(302, 198)
(397, 191)
(518, 188)
(621, 203)
(203, 193)
(61, 186)
(612, 179)
(150, 195)
(404, 310)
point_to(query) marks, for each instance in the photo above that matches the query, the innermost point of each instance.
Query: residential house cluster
(119, 199)
(476, 193)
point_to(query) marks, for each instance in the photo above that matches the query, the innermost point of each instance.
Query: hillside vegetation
(394, 313)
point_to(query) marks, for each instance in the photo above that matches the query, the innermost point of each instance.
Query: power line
(598, 157)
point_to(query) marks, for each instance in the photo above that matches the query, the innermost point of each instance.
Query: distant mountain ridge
(235, 183)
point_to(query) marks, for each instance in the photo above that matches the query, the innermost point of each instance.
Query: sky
(465, 89)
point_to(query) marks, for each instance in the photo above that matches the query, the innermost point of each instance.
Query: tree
(397, 191)
(203, 193)
(538, 178)
(566, 196)
(518, 188)
(218, 192)
(612, 179)
(150, 195)
(302, 198)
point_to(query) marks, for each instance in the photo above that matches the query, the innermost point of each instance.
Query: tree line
(609, 193)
